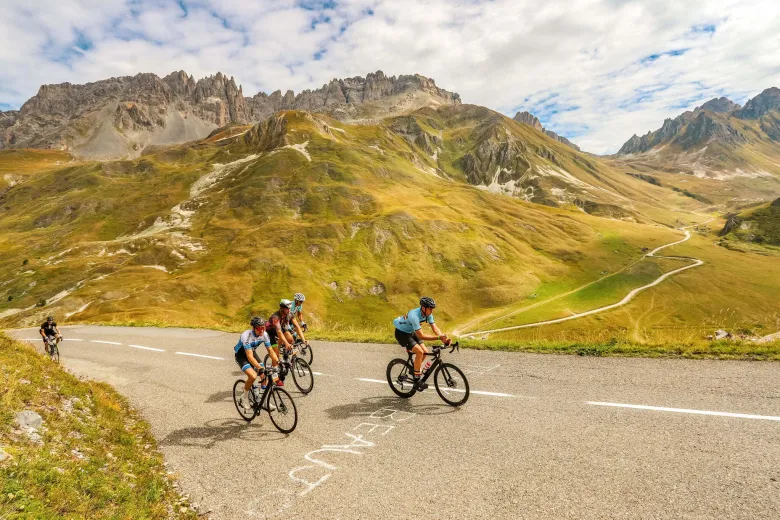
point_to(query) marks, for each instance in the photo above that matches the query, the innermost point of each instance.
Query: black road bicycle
(302, 349)
(289, 362)
(276, 401)
(53, 350)
(450, 381)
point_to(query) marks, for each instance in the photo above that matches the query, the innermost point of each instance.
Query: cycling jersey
(49, 329)
(411, 321)
(277, 319)
(296, 309)
(250, 341)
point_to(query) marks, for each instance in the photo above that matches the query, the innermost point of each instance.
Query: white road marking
(71, 339)
(478, 392)
(685, 410)
(200, 355)
(147, 348)
(31, 339)
(321, 374)
(106, 342)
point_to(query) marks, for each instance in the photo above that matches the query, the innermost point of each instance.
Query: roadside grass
(98, 458)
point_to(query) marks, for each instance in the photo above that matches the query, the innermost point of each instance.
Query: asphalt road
(533, 445)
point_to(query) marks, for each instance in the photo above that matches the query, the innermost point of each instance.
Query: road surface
(543, 437)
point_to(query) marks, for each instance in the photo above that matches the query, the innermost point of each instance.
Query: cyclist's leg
(419, 355)
(273, 352)
(46, 346)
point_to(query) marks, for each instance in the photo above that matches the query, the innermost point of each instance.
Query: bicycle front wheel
(400, 377)
(451, 384)
(282, 410)
(246, 414)
(302, 375)
(55, 354)
(306, 353)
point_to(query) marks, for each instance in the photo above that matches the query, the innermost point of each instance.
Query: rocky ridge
(121, 116)
(533, 121)
(712, 121)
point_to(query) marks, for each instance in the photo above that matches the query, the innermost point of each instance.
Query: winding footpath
(630, 296)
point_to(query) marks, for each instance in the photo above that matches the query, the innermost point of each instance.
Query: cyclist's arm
(43, 334)
(439, 334)
(57, 330)
(298, 329)
(280, 334)
(250, 356)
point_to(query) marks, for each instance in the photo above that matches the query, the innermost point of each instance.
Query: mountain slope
(119, 117)
(354, 216)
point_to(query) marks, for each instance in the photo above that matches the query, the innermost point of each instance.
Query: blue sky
(595, 71)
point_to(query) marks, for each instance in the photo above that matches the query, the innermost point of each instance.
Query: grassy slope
(360, 228)
(121, 475)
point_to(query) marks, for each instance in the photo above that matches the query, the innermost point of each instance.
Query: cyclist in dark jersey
(409, 334)
(279, 328)
(49, 330)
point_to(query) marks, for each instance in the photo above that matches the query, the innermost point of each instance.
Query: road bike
(303, 350)
(289, 362)
(450, 381)
(52, 350)
(276, 401)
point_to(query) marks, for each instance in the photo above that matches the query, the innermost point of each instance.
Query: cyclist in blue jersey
(297, 310)
(409, 334)
(246, 359)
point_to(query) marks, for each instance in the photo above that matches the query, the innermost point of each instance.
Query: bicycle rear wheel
(302, 375)
(238, 390)
(400, 377)
(451, 384)
(284, 414)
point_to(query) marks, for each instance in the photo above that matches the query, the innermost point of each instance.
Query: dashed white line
(478, 392)
(200, 356)
(147, 348)
(685, 410)
(106, 342)
(71, 339)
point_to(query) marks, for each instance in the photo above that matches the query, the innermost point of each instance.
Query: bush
(10, 297)
(41, 303)
(25, 262)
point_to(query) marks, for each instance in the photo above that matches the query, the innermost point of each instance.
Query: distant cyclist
(280, 326)
(409, 334)
(49, 330)
(297, 310)
(246, 359)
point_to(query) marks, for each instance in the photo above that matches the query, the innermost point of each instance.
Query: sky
(594, 71)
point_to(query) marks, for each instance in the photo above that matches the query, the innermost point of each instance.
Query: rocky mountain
(122, 116)
(719, 120)
(759, 226)
(531, 120)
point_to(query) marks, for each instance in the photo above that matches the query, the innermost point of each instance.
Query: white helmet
(286, 303)
(299, 297)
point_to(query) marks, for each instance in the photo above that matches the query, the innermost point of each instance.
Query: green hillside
(361, 218)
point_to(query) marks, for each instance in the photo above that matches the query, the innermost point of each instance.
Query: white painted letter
(309, 485)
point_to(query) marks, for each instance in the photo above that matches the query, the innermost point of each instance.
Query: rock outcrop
(533, 121)
(760, 105)
(121, 116)
(722, 105)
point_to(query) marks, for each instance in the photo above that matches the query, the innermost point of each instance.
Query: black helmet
(50, 318)
(426, 301)
(257, 321)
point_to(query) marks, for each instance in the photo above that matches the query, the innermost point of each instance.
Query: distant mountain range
(120, 117)
(720, 121)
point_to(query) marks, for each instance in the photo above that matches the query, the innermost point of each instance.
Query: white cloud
(596, 71)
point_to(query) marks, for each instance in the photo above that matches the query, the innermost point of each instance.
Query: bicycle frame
(436, 362)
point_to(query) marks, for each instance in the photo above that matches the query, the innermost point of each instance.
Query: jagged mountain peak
(119, 117)
(529, 119)
(721, 105)
(760, 105)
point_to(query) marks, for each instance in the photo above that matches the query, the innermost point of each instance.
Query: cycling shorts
(407, 340)
(243, 362)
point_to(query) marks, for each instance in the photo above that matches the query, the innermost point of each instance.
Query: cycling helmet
(286, 303)
(426, 301)
(299, 297)
(257, 321)
(49, 318)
